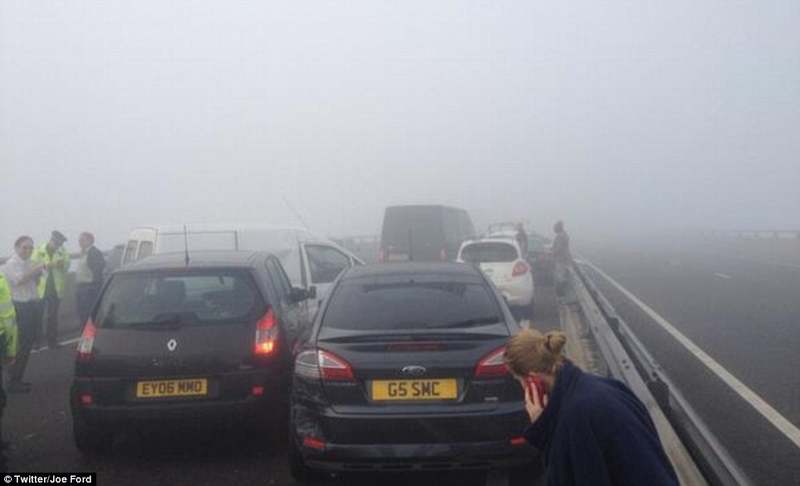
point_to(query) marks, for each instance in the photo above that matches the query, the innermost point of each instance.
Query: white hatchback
(500, 259)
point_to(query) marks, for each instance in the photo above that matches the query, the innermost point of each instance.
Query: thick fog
(613, 116)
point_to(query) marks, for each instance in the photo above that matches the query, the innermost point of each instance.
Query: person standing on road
(89, 275)
(23, 276)
(589, 430)
(562, 257)
(8, 351)
(51, 285)
(522, 239)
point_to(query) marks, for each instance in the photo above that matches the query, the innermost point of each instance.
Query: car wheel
(91, 440)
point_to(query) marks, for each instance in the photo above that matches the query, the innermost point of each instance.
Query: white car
(500, 259)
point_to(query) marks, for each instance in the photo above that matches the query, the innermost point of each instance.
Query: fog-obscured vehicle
(403, 370)
(502, 261)
(424, 233)
(170, 343)
(310, 261)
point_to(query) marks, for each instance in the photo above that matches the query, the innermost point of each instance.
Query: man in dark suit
(89, 275)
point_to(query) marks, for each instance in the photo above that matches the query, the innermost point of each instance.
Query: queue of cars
(398, 367)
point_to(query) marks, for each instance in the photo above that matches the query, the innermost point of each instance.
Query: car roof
(508, 240)
(198, 259)
(412, 268)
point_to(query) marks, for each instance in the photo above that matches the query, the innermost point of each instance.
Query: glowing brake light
(492, 365)
(521, 268)
(267, 331)
(86, 344)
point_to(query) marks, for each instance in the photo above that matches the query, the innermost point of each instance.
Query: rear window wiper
(476, 321)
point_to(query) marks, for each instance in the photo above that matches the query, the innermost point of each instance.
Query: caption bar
(50, 478)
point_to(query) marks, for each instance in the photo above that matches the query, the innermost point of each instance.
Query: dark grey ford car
(170, 341)
(403, 370)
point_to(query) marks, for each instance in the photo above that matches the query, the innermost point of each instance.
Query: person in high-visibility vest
(8, 350)
(51, 285)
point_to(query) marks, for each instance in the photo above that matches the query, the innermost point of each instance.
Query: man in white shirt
(23, 277)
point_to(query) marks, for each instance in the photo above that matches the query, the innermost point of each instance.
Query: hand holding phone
(535, 397)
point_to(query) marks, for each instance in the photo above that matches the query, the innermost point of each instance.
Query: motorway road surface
(745, 314)
(39, 426)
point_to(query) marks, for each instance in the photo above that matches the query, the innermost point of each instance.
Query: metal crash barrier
(695, 452)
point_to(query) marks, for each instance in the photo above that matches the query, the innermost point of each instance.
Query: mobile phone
(535, 385)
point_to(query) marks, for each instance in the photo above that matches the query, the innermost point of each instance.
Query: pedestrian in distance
(23, 278)
(88, 276)
(562, 257)
(8, 351)
(51, 285)
(589, 430)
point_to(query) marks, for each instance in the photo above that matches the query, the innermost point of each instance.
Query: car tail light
(320, 364)
(86, 343)
(86, 399)
(257, 390)
(267, 331)
(521, 268)
(314, 443)
(443, 255)
(492, 365)
(518, 441)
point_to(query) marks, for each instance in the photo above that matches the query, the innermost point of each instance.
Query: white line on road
(722, 275)
(766, 410)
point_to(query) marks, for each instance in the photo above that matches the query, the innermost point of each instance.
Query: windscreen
(410, 305)
(164, 298)
(489, 252)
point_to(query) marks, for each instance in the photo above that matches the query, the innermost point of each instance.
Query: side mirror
(298, 295)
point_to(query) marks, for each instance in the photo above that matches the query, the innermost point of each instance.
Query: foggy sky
(610, 115)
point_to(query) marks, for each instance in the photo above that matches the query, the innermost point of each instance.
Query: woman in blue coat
(589, 430)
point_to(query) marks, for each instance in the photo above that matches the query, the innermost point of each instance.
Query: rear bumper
(518, 294)
(411, 442)
(419, 457)
(244, 406)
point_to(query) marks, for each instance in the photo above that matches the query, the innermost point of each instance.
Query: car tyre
(91, 440)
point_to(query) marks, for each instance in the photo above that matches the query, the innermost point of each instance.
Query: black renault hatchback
(403, 370)
(172, 342)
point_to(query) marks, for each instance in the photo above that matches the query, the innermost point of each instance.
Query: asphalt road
(39, 427)
(745, 314)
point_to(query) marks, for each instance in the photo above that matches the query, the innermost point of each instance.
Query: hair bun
(555, 341)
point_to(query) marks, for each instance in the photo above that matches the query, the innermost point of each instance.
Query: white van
(309, 261)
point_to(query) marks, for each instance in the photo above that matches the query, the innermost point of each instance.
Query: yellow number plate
(444, 389)
(172, 388)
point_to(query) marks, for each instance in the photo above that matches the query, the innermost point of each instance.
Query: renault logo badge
(172, 344)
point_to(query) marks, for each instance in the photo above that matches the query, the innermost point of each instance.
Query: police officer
(8, 350)
(51, 285)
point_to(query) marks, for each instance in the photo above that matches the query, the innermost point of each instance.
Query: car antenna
(294, 212)
(186, 244)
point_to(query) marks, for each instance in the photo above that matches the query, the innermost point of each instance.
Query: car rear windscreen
(489, 252)
(178, 298)
(410, 305)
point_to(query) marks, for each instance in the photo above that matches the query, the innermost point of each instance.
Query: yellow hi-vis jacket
(8, 321)
(61, 259)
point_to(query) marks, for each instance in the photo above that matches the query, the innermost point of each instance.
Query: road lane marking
(722, 275)
(63, 343)
(765, 409)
